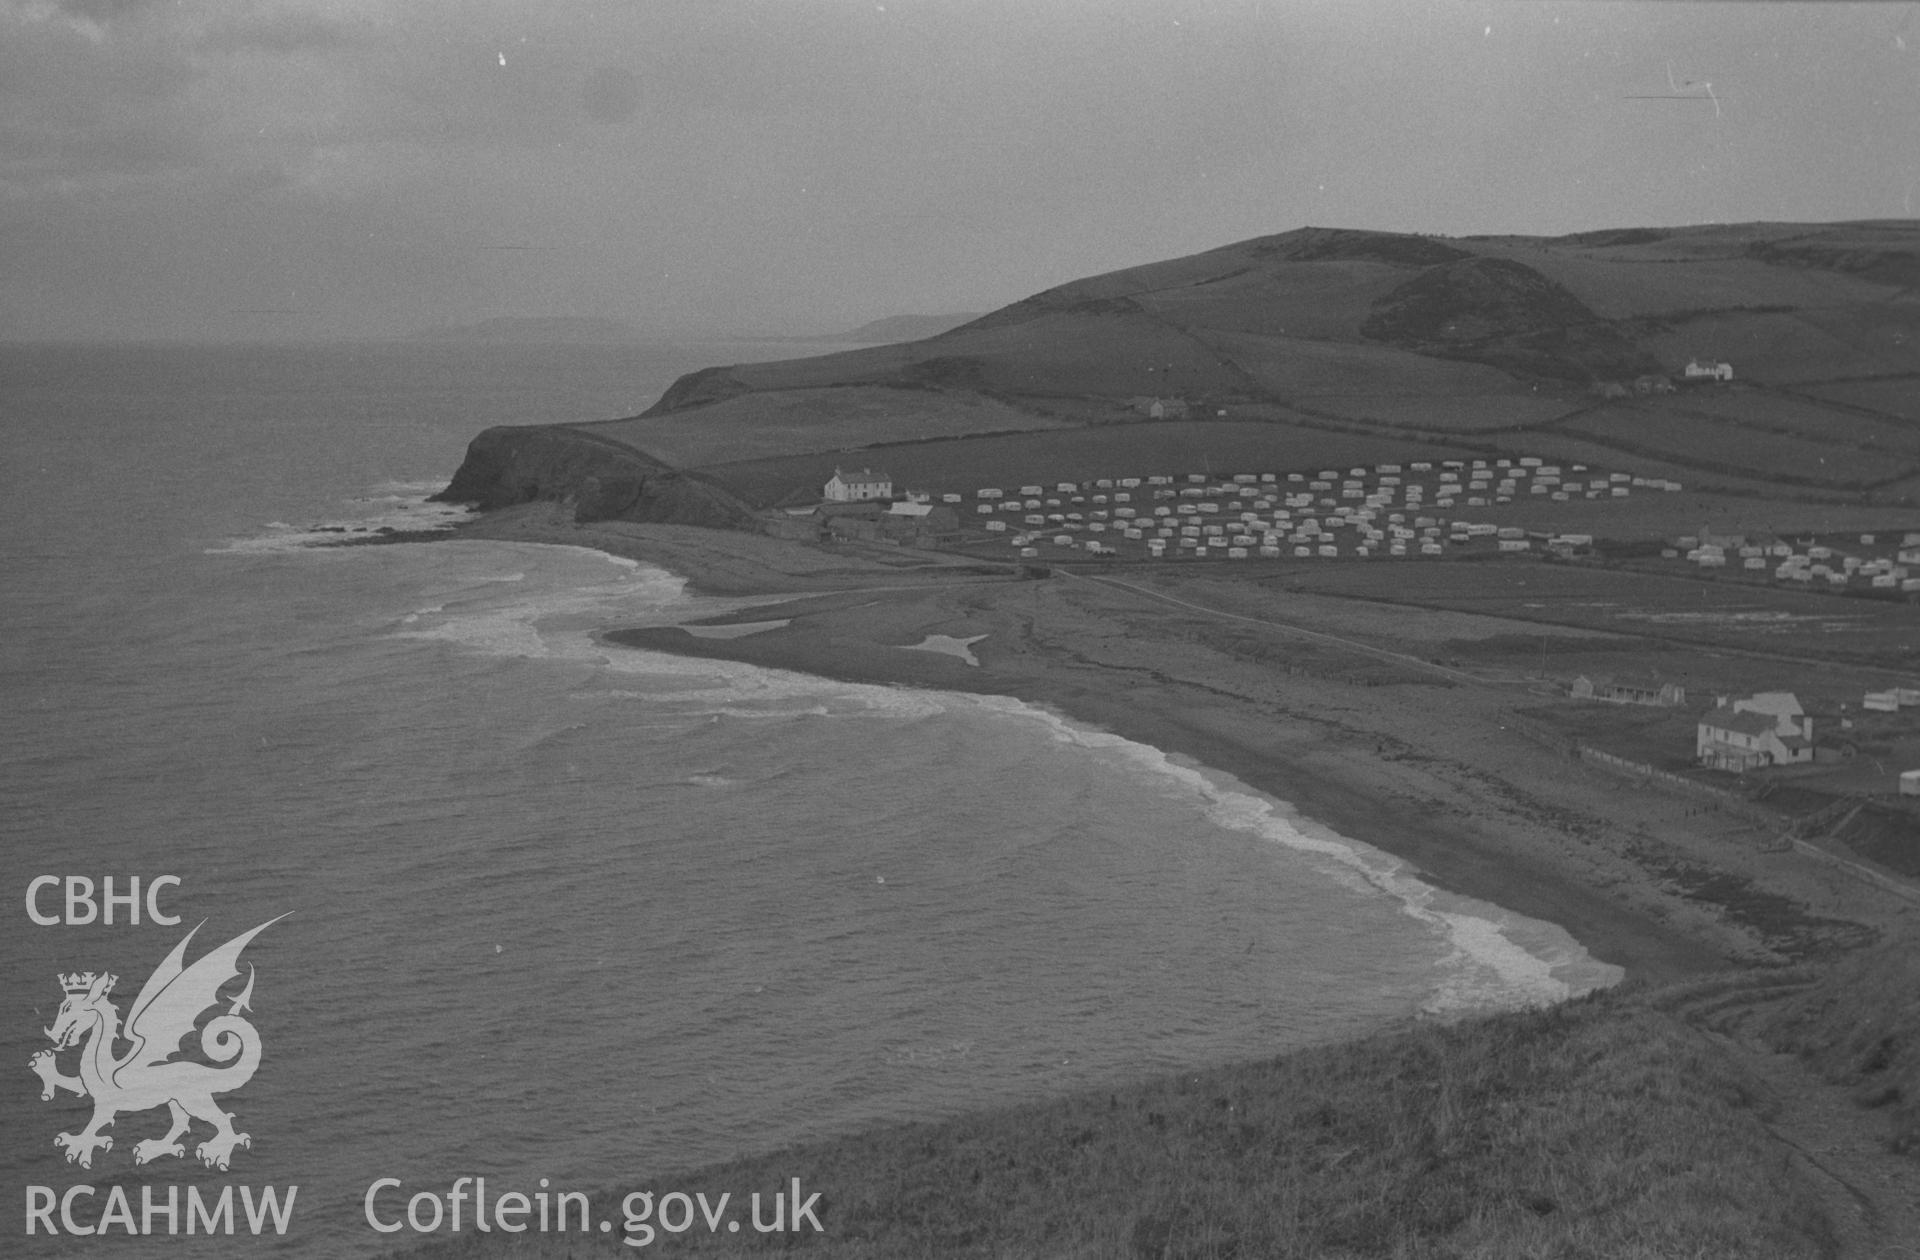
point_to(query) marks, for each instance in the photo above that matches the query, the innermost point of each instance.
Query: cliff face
(603, 480)
(698, 388)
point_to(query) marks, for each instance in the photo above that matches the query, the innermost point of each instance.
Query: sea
(559, 913)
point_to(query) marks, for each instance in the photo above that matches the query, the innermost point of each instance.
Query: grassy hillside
(1862, 1029)
(799, 421)
(1601, 1128)
(1331, 340)
(1262, 320)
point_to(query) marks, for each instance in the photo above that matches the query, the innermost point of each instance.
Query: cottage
(858, 487)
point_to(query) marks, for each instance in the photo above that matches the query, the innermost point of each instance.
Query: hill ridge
(1237, 324)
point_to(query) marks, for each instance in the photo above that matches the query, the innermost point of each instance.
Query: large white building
(1768, 728)
(857, 487)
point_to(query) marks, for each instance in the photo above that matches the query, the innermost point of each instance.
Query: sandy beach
(1430, 766)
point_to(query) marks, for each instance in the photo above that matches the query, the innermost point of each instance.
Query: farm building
(857, 487)
(1910, 783)
(1766, 729)
(921, 525)
(1708, 371)
(1628, 691)
(1161, 408)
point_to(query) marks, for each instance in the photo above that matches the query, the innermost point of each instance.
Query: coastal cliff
(602, 480)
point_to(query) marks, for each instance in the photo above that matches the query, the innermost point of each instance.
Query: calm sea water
(565, 910)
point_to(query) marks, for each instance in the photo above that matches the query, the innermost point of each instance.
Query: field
(1771, 412)
(1775, 348)
(1722, 446)
(1118, 353)
(1896, 397)
(1487, 413)
(1079, 455)
(792, 422)
(1616, 288)
(1655, 735)
(1319, 299)
(1682, 611)
(1290, 368)
(1888, 331)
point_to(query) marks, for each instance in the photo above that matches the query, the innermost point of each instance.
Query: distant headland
(536, 330)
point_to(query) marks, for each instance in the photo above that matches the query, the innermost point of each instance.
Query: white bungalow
(1651, 691)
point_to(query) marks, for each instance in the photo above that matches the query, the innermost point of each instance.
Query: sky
(216, 170)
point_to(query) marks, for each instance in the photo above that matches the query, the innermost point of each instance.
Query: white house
(1697, 371)
(1766, 729)
(845, 487)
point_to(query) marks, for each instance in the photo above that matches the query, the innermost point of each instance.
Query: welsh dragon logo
(148, 1075)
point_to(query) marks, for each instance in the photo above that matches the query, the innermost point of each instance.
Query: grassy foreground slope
(1862, 1030)
(1603, 1128)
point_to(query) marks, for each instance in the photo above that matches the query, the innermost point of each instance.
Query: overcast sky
(217, 169)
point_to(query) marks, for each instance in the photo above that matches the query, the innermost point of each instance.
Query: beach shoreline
(1426, 770)
(1445, 856)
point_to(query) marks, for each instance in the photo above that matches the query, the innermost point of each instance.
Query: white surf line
(1322, 636)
